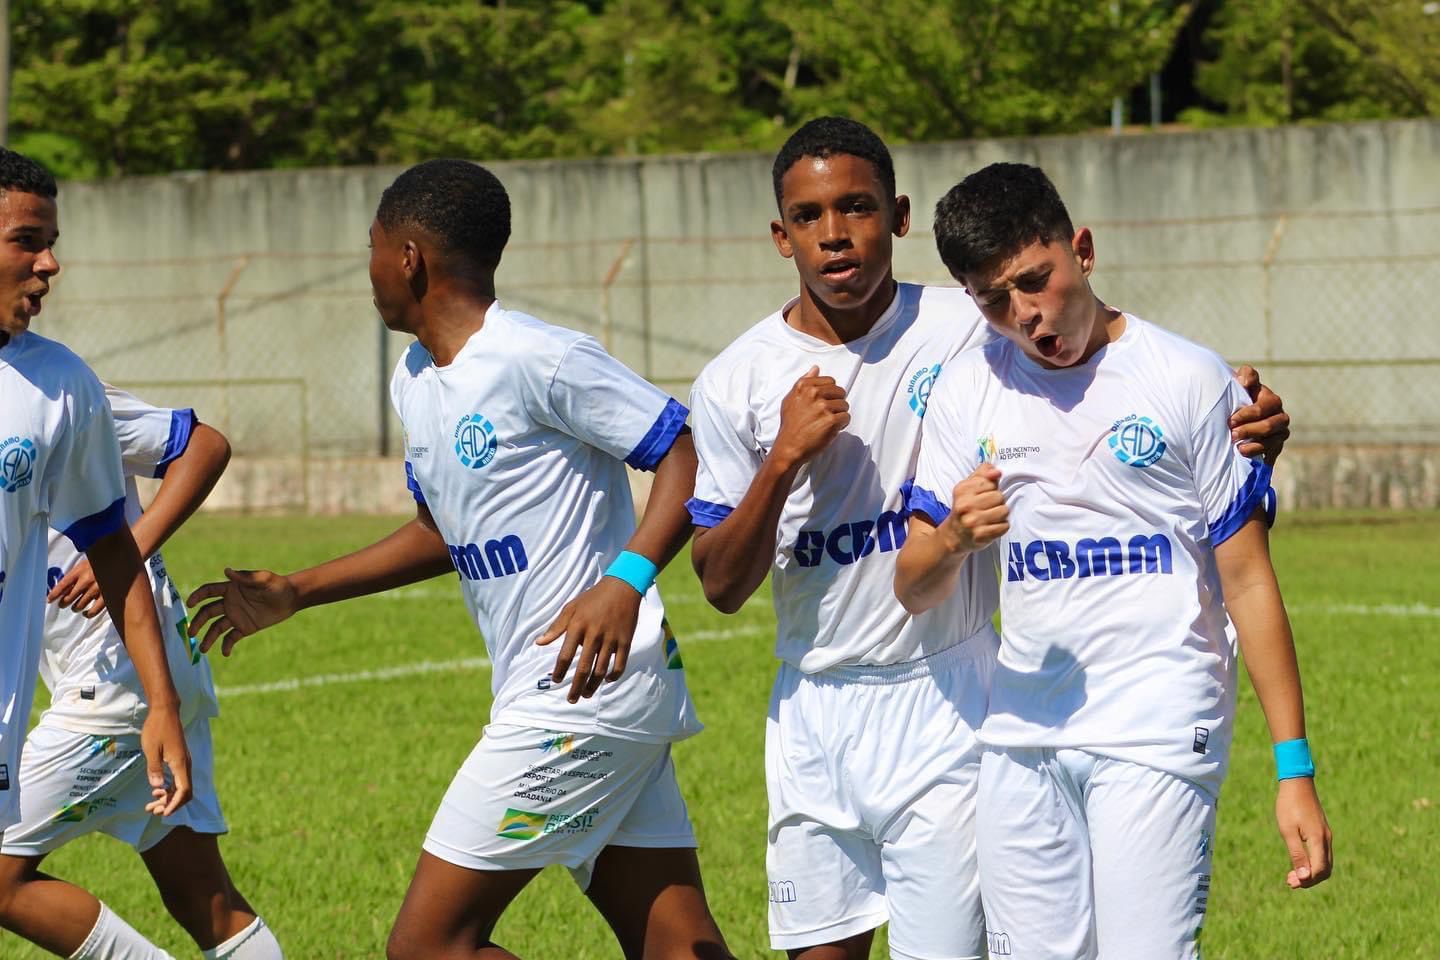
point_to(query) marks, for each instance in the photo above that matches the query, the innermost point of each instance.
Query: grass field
(329, 786)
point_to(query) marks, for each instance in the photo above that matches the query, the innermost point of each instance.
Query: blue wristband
(634, 569)
(1292, 760)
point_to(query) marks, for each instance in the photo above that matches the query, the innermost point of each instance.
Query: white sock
(114, 939)
(255, 942)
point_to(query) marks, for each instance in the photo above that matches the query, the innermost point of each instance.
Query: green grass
(329, 789)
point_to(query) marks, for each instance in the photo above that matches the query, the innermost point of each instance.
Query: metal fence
(284, 353)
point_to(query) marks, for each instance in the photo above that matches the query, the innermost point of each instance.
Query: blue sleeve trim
(660, 437)
(412, 485)
(182, 424)
(1272, 506)
(83, 533)
(920, 500)
(703, 513)
(1253, 494)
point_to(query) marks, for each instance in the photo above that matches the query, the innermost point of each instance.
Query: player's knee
(407, 944)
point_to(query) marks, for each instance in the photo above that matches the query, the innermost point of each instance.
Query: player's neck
(835, 325)
(1109, 326)
(448, 322)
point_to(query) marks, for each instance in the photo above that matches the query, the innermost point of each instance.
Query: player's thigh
(451, 910)
(1034, 858)
(654, 901)
(73, 784)
(1151, 836)
(929, 857)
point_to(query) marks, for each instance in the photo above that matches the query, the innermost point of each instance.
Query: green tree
(1280, 61)
(922, 70)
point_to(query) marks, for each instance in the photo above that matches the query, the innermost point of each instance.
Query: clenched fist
(811, 415)
(978, 514)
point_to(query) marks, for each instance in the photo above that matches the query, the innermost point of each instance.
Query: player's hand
(1262, 427)
(812, 414)
(598, 627)
(978, 514)
(245, 602)
(1305, 832)
(163, 741)
(78, 591)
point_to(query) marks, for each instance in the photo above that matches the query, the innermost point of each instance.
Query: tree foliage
(130, 86)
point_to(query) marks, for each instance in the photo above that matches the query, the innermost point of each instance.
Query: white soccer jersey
(518, 448)
(60, 466)
(1121, 479)
(93, 685)
(844, 522)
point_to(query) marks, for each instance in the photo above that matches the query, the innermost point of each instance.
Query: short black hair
(834, 136)
(460, 204)
(19, 172)
(995, 213)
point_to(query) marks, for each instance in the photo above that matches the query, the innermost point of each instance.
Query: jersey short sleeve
(599, 400)
(150, 437)
(1230, 486)
(729, 459)
(949, 451)
(86, 498)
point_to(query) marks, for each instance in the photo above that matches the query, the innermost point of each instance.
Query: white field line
(426, 666)
(1372, 610)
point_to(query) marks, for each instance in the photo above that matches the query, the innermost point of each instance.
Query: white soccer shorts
(871, 773)
(1084, 856)
(72, 784)
(527, 797)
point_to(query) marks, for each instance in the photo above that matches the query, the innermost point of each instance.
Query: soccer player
(807, 429)
(1095, 450)
(517, 436)
(80, 772)
(60, 467)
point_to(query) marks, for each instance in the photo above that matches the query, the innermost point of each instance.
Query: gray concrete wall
(1312, 251)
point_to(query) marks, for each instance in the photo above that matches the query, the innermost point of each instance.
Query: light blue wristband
(634, 569)
(1292, 760)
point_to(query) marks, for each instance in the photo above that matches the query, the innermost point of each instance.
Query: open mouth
(840, 269)
(1048, 346)
(32, 301)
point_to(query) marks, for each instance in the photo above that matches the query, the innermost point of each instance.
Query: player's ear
(902, 215)
(1083, 245)
(781, 237)
(412, 260)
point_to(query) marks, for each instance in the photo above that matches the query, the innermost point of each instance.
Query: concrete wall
(1312, 251)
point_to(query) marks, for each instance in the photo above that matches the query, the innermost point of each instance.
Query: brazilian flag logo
(521, 824)
(672, 647)
(73, 812)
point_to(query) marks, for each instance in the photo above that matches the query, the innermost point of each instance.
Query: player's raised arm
(733, 557)
(929, 563)
(120, 573)
(599, 625)
(247, 601)
(1253, 600)
(188, 480)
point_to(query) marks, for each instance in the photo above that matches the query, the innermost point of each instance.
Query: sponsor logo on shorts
(998, 943)
(672, 647)
(4, 776)
(87, 692)
(782, 891)
(528, 825)
(558, 743)
(1202, 740)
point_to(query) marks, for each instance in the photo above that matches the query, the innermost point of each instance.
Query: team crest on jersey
(475, 441)
(1137, 441)
(17, 463)
(921, 383)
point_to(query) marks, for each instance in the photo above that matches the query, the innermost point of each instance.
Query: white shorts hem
(829, 933)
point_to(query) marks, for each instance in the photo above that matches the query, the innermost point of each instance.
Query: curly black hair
(830, 137)
(996, 212)
(19, 172)
(460, 204)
